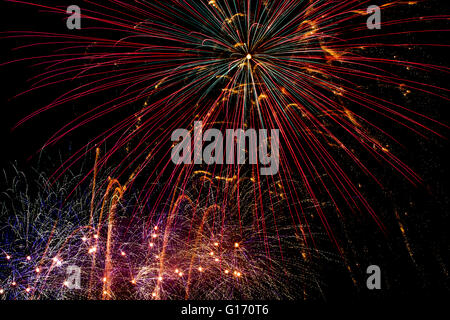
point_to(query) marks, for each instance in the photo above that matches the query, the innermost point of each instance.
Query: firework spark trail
(222, 261)
(292, 65)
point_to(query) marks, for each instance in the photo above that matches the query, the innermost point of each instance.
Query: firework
(197, 250)
(307, 68)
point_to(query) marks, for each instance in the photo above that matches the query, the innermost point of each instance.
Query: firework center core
(249, 56)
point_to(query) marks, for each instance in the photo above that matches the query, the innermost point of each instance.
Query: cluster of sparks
(173, 257)
(290, 65)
